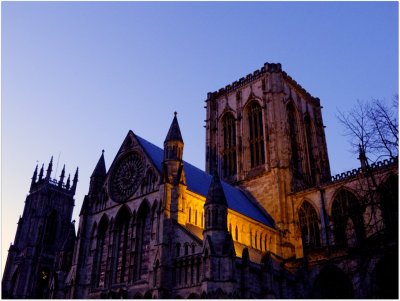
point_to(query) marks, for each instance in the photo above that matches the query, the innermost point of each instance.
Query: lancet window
(311, 160)
(293, 133)
(256, 134)
(101, 247)
(120, 245)
(229, 151)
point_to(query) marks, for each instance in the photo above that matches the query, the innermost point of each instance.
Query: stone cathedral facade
(265, 220)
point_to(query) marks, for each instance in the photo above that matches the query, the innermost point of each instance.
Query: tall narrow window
(229, 151)
(142, 241)
(309, 228)
(256, 134)
(236, 234)
(311, 160)
(120, 245)
(293, 132)
(50, 229)
(98, 263)
(347, 218)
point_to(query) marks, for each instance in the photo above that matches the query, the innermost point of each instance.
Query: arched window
(186, 249)
(256, 134)
(98, 254)
(50, 229)
(309, 228)
(229, 151)
(143, 230)
(149, 181)
(293, 134)
(122, 222)
(190, 215)
(178, 249)
(347, 219)
(311, 160)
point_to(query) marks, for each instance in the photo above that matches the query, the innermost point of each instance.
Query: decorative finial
(102, 151)
(175, 113)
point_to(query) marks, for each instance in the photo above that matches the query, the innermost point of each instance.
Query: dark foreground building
(266, 219)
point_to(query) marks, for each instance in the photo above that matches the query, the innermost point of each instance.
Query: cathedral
(266, 219)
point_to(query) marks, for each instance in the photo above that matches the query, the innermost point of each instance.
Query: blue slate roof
(199, 182)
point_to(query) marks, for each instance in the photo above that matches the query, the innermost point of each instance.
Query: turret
(67, 185)
(41, 173)
(75, 181)
(98, 176)
(49, 168)
(216, 207)
(362, 157)
(173, 152)
(34, 177)
(61, 182)
(217, 241)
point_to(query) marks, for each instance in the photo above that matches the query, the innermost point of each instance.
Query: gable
(131, 156)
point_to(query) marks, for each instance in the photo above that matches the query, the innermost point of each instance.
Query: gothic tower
(41, 234)
(265, 134)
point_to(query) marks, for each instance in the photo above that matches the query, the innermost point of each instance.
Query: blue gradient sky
(76, 77)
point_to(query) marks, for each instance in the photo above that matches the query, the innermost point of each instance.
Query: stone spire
(61, 182)
(98, 176)
(34, 176)
(216, 208)
(216, 193)
(75, 181)
(41, 172)
(174, 133)
(173, 153)
(49, 168)
(100, 169)
(67, 185)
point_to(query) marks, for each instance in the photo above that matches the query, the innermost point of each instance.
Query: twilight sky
(76, 77)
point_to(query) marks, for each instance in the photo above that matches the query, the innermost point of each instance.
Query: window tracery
(229, 150)
(309, 226)
(256, 134)
(346, 212)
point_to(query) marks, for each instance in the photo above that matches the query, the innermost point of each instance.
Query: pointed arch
(143, 237)
(348, 226)
(229, 144)
(255, 126)
(294, 133)
(309, 226)
(310, 146)
(51, 227)
(100, 248)
(120, 244)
